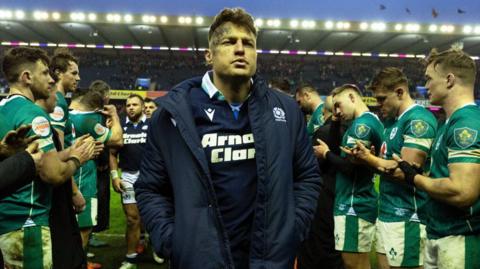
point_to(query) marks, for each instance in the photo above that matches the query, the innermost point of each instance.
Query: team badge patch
(57, 114)
(361, 130)
(41, 126)
(393, 133)
(465, 137)
(99, 129)
(279, 114)
(419, 127)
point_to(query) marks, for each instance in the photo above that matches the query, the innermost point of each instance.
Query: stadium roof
(147, 30)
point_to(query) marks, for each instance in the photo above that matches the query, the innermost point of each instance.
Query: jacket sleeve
(341, 164)
(16, 171)
(154, 194)
(307, 180)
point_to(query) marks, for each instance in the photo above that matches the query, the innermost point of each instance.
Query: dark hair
(456, 61)
(236, 16)
(134, 95)
(15, 60)
(281, 84)
(60, 61)
(91, 99)
(147, 100)
(388, 78)
(100, 86)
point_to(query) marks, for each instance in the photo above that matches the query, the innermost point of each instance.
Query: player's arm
(116, 182)
(113, 123)
(56, 171)
(461, 189)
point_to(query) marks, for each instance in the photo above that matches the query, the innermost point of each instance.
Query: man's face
(436, 85)
(388, 102)
(233, 52)
(134, 108)
(302, 101)
(150, 107)
(41, 81)
(70, 78)
(343, 106)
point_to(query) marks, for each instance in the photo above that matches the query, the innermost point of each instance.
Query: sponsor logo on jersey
(227, 148)
(57, 114)
(393, 133)
(41, 126)
(100, 129)
(210, 112)
(419, 127)
(140, 138)
(361, 130)
(279, 114)
(383, 150)
(465, 137)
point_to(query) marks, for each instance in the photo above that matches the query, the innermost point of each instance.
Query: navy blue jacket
(177, 201)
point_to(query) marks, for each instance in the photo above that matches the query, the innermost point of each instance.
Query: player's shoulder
(467, 116)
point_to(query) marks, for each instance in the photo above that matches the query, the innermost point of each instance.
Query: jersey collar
(211, 90)
(142, 119)
(406, 110)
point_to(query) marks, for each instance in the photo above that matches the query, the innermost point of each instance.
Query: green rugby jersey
(457, 141)
(415, 128)
(315, 121)
(89, 122)
(356, 195)
(30, 204)
(59, 116)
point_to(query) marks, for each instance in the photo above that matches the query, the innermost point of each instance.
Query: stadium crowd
(224, 171)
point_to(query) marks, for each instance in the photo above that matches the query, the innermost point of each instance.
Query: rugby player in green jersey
(24, 213)
(401, 235)
(453, 185)
(355, 207)
(311, 103)
(64, 70)
(87, 116)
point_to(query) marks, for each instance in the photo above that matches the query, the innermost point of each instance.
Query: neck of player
(407, 103)
(59, 87)
(360, 109)
(235, 90)
(456, 100)
(22, 91)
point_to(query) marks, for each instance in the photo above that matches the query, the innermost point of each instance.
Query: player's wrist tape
(114, 174)
(410, 172)
(75, 161)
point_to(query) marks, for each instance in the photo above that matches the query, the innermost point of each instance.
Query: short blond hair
(346, 87)
(455, 61)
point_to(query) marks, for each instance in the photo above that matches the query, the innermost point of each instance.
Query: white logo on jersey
(210, 113)
(173, 122)
(57, 114)
(41, 126)
(99, 129)
(393, 133)
(144, 127)
(279, 114)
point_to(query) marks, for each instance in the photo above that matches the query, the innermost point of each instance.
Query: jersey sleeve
(97, 129)
(463, 142)
(419, 134)
(40, 123)
(365, 132)
(58, 118)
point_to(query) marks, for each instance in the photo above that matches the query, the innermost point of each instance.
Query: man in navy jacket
(228, 178)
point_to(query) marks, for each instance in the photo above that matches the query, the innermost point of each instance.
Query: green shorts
(402, 242)
(353, 234)
(88, 218)
(453, 252)
(29, 248)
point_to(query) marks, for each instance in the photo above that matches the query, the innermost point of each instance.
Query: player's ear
(450, 80)
(399, 92)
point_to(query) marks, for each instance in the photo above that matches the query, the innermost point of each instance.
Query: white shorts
(453, 252)
(128, 179)
(402, 242)
(353, 234)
